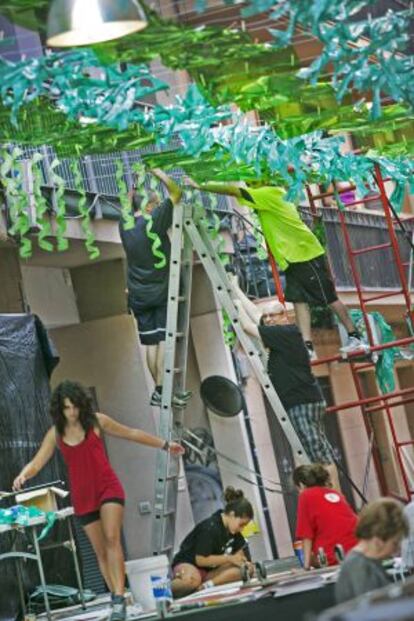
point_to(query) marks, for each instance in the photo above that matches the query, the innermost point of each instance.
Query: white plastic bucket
(139, 574)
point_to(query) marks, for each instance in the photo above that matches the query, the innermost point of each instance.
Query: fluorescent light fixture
(85, 22)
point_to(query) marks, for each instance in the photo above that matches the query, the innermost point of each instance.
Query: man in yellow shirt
(298, 253)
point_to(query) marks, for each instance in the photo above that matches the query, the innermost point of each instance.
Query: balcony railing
(377, 268)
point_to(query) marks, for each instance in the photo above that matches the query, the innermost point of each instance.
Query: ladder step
(371, 248)
(389, 294)
(168, 513)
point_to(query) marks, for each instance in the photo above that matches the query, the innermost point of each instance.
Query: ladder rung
(168, 513)
(371, 248)
(406, 443)
(389, 294)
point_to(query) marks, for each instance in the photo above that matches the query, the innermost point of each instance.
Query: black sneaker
(177, 401)
(185, 395)
(156, 399)
(118, 612)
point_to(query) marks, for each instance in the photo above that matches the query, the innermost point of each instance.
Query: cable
(234, 462)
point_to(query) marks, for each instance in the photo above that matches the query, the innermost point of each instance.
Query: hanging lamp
(85, 22)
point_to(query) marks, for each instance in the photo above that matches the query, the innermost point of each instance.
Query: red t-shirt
(325, 517)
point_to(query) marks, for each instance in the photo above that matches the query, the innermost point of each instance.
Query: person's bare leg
(186, 580)
(111, 518)
(224, 574)
(342, 313)
(160, 354)
(151, 354)
(95, 535)
(303, 320)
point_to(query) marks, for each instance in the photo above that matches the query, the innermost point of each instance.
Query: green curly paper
(124, 198)
(156, 245)
(60, 206)
(92, 249)
(11, 174)
(42, 220)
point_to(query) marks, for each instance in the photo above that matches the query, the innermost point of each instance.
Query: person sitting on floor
(380, 529)
(214, 552)
(324, 517)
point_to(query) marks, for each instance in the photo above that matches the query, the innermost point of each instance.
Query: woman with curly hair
(215, 551)
(97, 494)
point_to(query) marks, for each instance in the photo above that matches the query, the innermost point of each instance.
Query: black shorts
(151, 324)
(310, 282)
(94, 516)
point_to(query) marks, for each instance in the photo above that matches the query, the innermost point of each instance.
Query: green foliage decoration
(124, 197)
(11, 175)
(156, 245)
(42, 219)
(60, 206)
(84, 213)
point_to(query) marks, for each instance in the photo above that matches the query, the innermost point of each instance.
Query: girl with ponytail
(214, 552)
(324, 517)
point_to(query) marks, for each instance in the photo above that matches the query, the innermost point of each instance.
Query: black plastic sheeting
(27, 358)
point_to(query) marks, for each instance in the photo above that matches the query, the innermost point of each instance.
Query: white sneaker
(312, 353)
(353, 345)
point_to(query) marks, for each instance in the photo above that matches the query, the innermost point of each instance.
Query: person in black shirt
(214, 552)
(291, 374)
(148, 285)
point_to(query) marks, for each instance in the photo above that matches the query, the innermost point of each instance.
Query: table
(294, 607)
(32, 529)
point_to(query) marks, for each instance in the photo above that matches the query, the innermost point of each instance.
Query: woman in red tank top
(97, 494)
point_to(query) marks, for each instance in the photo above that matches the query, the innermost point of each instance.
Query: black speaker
(221, 395)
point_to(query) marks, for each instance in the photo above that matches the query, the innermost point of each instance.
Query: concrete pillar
(229, 434)
(11, 289)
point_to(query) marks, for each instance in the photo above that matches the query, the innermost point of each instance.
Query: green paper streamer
(41, 205)
(60, 207)
(384, 367)
(156, 246)
(126, 203)
(11, 173)
(92, 249)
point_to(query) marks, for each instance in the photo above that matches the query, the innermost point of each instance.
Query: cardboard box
(45, 499)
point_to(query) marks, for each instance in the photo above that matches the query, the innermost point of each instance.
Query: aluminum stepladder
(175, 367)
(189, 234)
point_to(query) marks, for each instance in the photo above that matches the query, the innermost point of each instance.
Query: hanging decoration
(60, 206)
(384, 366)
(68, 79)
(124, 197)
(42, 208)
(156, 245)
(366, 55)
(84, 211)
(60, 93)
(11, 176)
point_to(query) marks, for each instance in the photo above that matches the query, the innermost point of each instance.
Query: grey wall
(104, 354)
